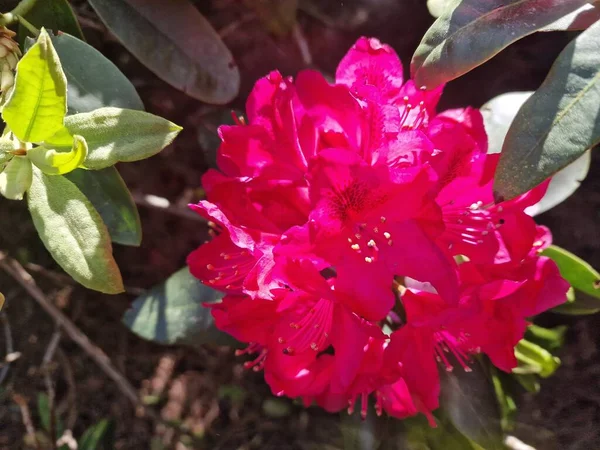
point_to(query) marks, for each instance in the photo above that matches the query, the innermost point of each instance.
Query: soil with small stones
(206, 390)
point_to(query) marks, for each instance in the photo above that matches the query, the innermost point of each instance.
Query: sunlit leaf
(172, 312)
(534, 359)
(93, 80)
(73, 232)
(474, 31)
(108, 193)
(438, 7)
(38, 103)
(177, 43)
(558, 123)
(53, 162)
(581, 275)
(15, 179)
(118, 135)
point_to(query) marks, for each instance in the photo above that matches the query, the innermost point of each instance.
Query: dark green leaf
(55, 15)
(100, 435)
(575, 270)
(558, 123)
(177, 43)
(474, 31)
(172, 313)
(93, 80)
(43, 407)
(108, 193)
(498, 114)
(419, 435)
(469, 401)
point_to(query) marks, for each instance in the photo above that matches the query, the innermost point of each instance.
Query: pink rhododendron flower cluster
(358, 241)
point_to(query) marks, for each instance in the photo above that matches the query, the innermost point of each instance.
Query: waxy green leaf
(118, 135)
(466, 36)
(93, 80)
(172, 313)
(53, 162)
(533, 359)
(73, 232)
(108, 193)
(55, 15)
(469, 401)
(177, 43)
(38, 103)
(15, 179)
(558, 123)
(575, 270)
(498, 115)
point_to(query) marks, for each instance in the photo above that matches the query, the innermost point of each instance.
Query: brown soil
(207, 389)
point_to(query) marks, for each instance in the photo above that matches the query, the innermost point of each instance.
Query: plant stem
(32, 29)
(21, 9)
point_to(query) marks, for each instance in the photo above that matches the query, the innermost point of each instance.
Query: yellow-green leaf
(15, 179)
(73, 232)
(38, 103)
(56, 162)
(118, 135)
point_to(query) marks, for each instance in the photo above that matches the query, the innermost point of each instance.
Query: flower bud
(9, 57)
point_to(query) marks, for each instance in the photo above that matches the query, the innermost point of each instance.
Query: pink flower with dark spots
(358, 240)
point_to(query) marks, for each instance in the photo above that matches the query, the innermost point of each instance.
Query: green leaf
(73, 232)
(172, 312)
(469, 400)
(55, 15)
(53, 162)
(575, 270)
(498, 114)
(558, 123)
(552, 339)
(100, 435)
(15, 179)
(118, 135)
(419, 435)
(93, 80)
(438, 7)
(466, 36)
(580, 19)
(177, 43)
(534, 359)
(108, 193)
(43, 407)
(38, 103)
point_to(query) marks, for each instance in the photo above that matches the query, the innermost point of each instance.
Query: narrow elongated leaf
(52, 162)
(73, 232)
(93, 80)
(15, 179)
(177, 43)
(575, 270)
(498, 114)
(474, 31)
(38, 103)
(469, 401)
(100, 434)
(172, 313)
(55, 15)
(534, 359)
(117, 135)
(558, 123)
(107, 191)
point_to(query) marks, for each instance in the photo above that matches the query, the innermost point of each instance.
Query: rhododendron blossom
(358, 241)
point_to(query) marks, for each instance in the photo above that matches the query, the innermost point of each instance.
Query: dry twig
(25, 414)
